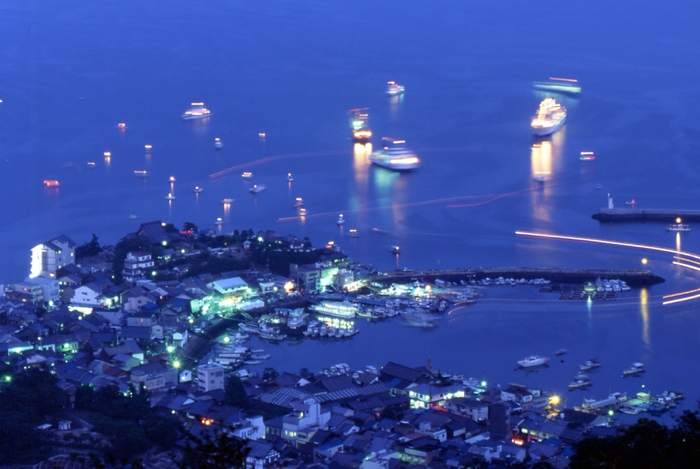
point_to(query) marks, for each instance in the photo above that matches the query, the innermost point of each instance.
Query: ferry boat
(550, 117)
(227, 201)
(198, 189)
(247, 175)
(533, 360)
(51, 183)
(358, 124)
(345, 310)
(219, 221)
(635, 369)
(395, 157)
(559, 85)
(257, 188)
(394, 89)
(290, 178)
(298, 202)
(217, 143)
(197, 111)
(170, 196)
(142, 173)
(340, 220)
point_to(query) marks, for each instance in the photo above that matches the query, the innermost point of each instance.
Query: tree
(306, 374)
(234, 392)
(269, 374)
(213, 452)
(88, 249)
(189, 226)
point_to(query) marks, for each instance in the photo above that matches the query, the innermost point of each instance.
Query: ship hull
(543, 131)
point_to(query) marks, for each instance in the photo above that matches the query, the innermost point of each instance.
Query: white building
(48, 257)
(49, 288)
(210, 376)
(136, 265)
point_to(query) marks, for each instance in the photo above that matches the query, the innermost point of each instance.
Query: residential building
(210, 376)
(137, 265)
(48, 257)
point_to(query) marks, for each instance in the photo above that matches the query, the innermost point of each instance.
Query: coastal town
(166, 314)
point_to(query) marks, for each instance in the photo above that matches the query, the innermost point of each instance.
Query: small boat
(352, 233)
(598, 186)
(678, 227)
(107, 154)
(172, 178)
(589, 365)
(298, 202)
(142, 173)
(587, 156)
(148, 147)
(558, 85)
(539, 178)
(290, 178)
(247, 175)
(257, 188)
(533, 360)
(358, 124)
(51, 183)
(635, 369)
(132, 217)
(90, 164)
(395, 249)
(198, 189)
(631, 202)
(170, 196)
(561, 351)
(630, 410)
(121, 126)
(261, 134)
(219, 221)
(227, 201)
(252, 362)
(197, 111)
(394, 89)
(218, 143)
(302, 211)
(580, 383)
(340, 220)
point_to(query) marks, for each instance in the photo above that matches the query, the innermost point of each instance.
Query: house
(32, 292)
(304, 420)
(476, 410)
(48, 257)
(157, 232)
(135, 298)
(426, 395)
(50, 291)
(261, 454)
(210, 376)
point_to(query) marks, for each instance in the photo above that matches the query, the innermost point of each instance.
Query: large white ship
(345, 310)
(197, 111)
(549, 118)
(395, 157)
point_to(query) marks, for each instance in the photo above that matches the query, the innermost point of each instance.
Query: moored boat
(257, 188)
(533, 360)
(197, 111)
(636, 369)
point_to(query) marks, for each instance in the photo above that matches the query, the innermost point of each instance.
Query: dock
(634, 278)
(655, 215)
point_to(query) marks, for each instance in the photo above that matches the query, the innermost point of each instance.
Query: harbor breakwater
(632, 277)
(633, 214)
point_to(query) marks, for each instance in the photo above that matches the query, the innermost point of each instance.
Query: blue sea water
(73, 70)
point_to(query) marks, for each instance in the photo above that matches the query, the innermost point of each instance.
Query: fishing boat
(636, 369)
(587, 156)
(142, 173)
(358, 124)
(561, 351)
(172, 179)
(90, 164)
(340, 220)
(395, 249)
(148, 147)
(198, 189)
(549, 118)
(257, 188)
(51, 183)
(121, 126)
(539, 178)
(352, 232)
(197, 111)
(558, 85)
(247, 175)
(394, 89)
(589, 365)
(533, 360)
(227, 201)
(170, 196)
(298, 202)
(290, 178)
(218, 143)
(219, 221)
(580, 384)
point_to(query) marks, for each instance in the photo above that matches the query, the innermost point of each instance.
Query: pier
(632, 277)
(634, 214)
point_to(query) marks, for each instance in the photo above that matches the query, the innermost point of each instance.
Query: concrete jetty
(632, 277)
(635, 214)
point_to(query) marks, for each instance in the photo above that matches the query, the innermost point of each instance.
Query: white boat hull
(542, 131)
(394, 166)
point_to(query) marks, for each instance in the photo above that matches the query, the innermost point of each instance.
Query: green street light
(176, 364)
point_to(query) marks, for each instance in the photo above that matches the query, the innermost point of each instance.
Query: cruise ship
(550, 117)
(395, 157)
(558, 85)
(197, 111)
